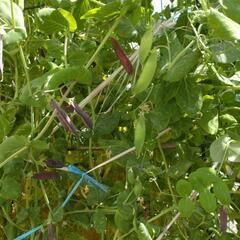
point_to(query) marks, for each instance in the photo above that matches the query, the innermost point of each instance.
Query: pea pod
(146, 44)
(224, 27)
(139, 134)
(147, 73)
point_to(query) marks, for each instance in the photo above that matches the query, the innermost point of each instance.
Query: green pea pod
(146, 44)
(224, 27)
(139, 134)
(147, 73)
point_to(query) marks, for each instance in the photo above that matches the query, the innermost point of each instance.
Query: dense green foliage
(172, 123)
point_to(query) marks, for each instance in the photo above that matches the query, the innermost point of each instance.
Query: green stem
(13, 156)
(103, 42)
(10, 220)
(166, 169)
(65, 49)
(24, 63)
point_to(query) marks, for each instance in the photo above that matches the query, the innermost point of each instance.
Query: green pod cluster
(146, 44)
(139, 134)
(147, 73)
(223, 27)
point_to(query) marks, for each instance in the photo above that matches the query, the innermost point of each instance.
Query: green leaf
(219, 148)
(143, 233)
(224, 28)
(184, 187)
(5, 127)
(51, 21)
(231, 8)
(208, 201)
(106, 123)
(10, 188)
(123, 218)
(209, 122)
(13, 34)
(186, 207)
(107, 11)
(65, 75)
(234, 151)
(225, 52)
(178, 68)
(222, 192)
(99, 221)
(39, 145)
(11, 145)
(72, 24)
(139, 134)
(189, 97)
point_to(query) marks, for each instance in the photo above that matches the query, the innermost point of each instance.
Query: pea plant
(118, 122)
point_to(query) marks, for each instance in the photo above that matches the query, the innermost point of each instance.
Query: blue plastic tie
(26, 234)
(72, 192)
(89, 179)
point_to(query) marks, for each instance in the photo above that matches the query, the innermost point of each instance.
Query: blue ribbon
(89, 179)
(24, 235)
(84, 176)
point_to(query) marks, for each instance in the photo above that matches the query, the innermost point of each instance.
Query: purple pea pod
(45, 175)
(40, 236)
(85, 117)
(54, 163)
(51, 234)
(64, 118)
(223, 219)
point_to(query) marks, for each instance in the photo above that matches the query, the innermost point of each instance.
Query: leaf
(234, 151)
(39, 145)
(11, 145)
(107, 11)
(189, 97)
(186, 207)
(209, 122)
(184, 188)
(224, 28)
(65, 75)
(178, 68)
(106, 123)
(51, 20)
(219, 148)
(143, 233)
(231, 8)
(207, 201)
(222, 192)
(10, 188)
(99, 221)
(225, 52)
(13, 34)
(72, 24)
(139, 134)
(5, 127)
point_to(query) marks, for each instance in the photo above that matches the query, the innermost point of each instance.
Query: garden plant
(119, 122)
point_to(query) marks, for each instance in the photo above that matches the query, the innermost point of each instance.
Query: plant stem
(166, 169)
(24, 63)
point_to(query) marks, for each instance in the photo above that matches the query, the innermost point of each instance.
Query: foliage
(168, 113)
